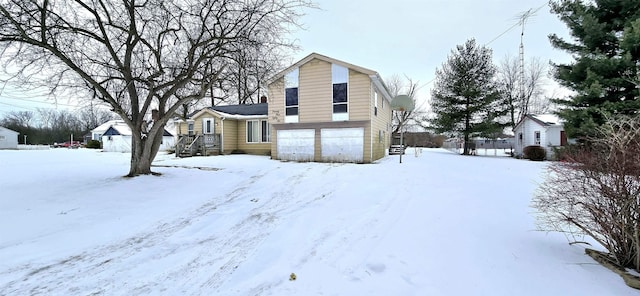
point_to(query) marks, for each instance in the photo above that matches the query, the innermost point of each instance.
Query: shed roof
(124, 130)
(546, 120)
(2, 128)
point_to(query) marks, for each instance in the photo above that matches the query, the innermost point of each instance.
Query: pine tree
(465, 98)
(606, 50)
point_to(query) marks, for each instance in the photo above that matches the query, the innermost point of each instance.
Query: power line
(500, 35)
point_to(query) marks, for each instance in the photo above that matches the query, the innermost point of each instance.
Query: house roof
(253, 109)
(2, 128)
(375, 77)
(105, 126)
(546, 120)
(124, 130)
(243, 111)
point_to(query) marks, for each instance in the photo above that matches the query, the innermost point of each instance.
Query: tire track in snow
(99, 266)
(52, 277)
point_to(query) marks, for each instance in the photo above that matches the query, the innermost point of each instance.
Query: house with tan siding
(225, 130)
(326, 110)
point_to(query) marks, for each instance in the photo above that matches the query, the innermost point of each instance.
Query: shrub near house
(535, 153)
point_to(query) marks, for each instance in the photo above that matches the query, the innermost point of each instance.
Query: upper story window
(291, 96)
(340, 79)
(375, 102)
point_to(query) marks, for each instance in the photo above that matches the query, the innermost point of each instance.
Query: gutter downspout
(222, 135)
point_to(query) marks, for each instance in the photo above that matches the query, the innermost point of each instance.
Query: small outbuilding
(545, 130)
(8, 138)
(117, 138)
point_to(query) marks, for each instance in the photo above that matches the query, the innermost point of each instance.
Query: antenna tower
(523, 20)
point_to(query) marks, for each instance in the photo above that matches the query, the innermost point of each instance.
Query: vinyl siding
(230, 136)
(359, 96)
(251, 148)
(316, 101)
(276, 110)
(316, 106)
(380, 122)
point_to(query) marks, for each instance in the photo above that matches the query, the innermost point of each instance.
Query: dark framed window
(340, 92)
(340, 108)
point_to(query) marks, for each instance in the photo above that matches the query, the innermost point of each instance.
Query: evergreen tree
(606, 50)
(465, 98)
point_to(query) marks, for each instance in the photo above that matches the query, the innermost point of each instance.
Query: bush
(535, 153)
(93, 144)
(595, 191)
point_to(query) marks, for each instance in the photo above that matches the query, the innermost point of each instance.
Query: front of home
(326, 110)
(8, 138)
(225, 130)
(545, 130)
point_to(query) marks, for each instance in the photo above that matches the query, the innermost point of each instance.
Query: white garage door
(296, 145)
(342, 144)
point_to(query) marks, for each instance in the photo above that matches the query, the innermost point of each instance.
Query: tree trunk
(144, 148)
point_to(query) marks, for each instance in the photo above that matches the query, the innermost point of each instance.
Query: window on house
(339, 79)
(379, 136)
(536, 135)
(190, 128)
(375, 103)
(291, 96)
(266, 131)
(258, 131)
(207, 126)
(109, 138)
(520, 138)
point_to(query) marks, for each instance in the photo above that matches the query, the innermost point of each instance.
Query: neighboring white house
(96, 133)
(8, 138)
(546, 130)
(117, 138)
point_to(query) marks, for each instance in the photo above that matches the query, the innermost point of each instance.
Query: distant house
(326, 110)
(8, 138)
(117, 138)
(546, 130)
(224, 130)
(96, 133)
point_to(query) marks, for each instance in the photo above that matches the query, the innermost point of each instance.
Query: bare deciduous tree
(595, 191)
(21, 118)
(136, 56)
(403, 86)
(522, 101)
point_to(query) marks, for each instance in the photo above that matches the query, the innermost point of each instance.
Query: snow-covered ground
(437, 224)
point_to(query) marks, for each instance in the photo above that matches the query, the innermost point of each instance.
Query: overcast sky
(414, 37)
(406, 37)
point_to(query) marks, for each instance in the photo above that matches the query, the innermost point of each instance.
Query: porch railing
(190, 145)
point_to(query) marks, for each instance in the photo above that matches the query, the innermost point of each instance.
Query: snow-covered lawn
(438, 224)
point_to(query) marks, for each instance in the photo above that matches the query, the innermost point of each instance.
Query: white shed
(117, 138)
(96, 133)
(8, 138)
(546, 130)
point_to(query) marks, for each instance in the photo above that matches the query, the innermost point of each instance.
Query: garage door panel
(342, 144)
(296, 145)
